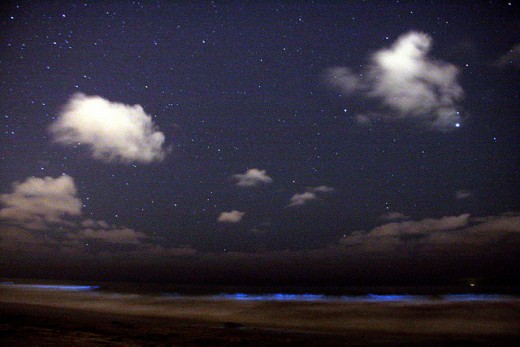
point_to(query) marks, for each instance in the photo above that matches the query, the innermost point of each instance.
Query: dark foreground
(28, 325)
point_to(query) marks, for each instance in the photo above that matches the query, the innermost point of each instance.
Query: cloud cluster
(442, 234)
(231, 217)
(407, 83)
(37, 202)
(310, 194)
(113, 131)
(252, 178)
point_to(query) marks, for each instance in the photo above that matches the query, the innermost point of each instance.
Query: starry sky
(260, 142)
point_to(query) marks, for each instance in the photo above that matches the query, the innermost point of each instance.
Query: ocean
(471, 312)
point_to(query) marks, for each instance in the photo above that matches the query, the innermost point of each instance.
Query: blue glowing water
(388, 298)
(272, 297)
(52, 287)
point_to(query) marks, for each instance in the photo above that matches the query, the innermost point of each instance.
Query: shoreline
(44, 321)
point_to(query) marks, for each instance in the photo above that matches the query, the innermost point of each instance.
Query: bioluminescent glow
(477, 297)
(272, 297)
(391, 297)
(370, 298)
(54, 287)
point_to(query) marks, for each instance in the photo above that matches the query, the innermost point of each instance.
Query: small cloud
(309, 195)
(363, 119)
(463, 194)
(114, 132)
(322, 189)
(116, 235)
(343, 79)
(252, 178)
(37, 202)
(408, 83)
(393, 216)
(511, 59)
(231, 217)
(302, 199)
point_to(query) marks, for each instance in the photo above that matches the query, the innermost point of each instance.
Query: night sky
(260, 142)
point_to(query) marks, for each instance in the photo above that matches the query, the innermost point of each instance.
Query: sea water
(448, 310)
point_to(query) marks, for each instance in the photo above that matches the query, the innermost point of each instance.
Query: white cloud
(310, 194)
(116, 235)
(302, 199)
(39, 201)
(252, 178)
(409, 83)
(113, 131)
(231, 217)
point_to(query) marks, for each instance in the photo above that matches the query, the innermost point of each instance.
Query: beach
(48, 317)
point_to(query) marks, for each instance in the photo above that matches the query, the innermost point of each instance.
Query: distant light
(457, 125)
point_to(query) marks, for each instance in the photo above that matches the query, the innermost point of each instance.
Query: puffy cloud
(39, 201)
(310, 194)
(510, 59)
(115, 235)
(113, 131)
(231, 217)
(252, 178)
(407, 82)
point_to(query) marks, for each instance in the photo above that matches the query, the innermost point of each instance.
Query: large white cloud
(252, 178)
(231, 217)
(407, 82)
(39, 201)
(113, 131)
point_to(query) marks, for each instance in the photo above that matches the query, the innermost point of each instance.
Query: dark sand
(63, 319)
